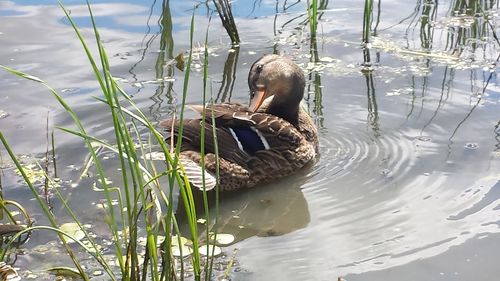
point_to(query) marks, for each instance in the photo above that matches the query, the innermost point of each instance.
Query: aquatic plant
(226, 15)
(139, 201)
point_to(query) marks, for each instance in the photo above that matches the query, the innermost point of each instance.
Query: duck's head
(278, 81)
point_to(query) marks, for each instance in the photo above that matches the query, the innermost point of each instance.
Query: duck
(271, 138)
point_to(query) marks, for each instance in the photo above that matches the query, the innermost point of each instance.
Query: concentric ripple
(372, 196)
(382, 157)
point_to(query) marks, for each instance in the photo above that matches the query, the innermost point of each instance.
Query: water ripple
(371, 199)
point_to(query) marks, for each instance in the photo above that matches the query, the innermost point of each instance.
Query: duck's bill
(257, 100)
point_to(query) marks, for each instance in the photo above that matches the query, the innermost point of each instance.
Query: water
(408, 182)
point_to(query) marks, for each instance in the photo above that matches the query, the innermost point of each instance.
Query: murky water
(408, 183)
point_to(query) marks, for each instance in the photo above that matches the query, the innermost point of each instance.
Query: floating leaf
(184, 241)
(73, 230)
(212, 250)
(186, 251)
(222, 239)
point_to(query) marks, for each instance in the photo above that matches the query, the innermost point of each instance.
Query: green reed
(312, 14)
(367, 20)
(226, 15)
(367, 25)
(142, 195)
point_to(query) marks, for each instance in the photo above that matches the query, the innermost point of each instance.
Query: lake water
(407, 186)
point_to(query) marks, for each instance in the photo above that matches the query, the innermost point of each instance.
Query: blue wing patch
(248, 139)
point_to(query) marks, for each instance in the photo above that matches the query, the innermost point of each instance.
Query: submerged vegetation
(145, 239)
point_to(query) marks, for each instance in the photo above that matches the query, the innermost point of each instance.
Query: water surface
(408, 182)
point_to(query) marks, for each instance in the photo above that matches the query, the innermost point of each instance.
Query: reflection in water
(467, 29)
(373, 118)
(270, 210)
(413, 17)
(164, 60)
(445, 87)
(166, 53)
(496, 131)
(315, 83)
(228, 76)
(254, 6)
(478, 101)
(145, 46)
(428, 17)
(315, 75)
(368, 32)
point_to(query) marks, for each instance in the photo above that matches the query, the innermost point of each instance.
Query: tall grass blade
(226, 15)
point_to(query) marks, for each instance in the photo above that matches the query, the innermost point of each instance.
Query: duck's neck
(289, 112)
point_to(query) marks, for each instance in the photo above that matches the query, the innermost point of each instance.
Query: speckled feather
(292, 145)
(289, 148)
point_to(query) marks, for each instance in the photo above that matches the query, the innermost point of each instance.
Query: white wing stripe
(262, 138)
(240, 146)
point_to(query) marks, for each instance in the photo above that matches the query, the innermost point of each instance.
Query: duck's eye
(259, 67)
(252, 94)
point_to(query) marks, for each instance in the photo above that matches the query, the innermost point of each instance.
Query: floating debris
(70, 90)
(179, 61)
(3, 114)
(398, 92)
(37, 175)
(7, 273)
(385, 172)
(424, 138)
(327, 59)
(471, 145)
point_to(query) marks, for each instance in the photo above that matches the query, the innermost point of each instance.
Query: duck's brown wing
(277, 131)
(253, 147)
(191, 139)
(241, 135)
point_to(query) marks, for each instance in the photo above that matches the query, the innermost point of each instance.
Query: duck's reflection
(273, 209)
